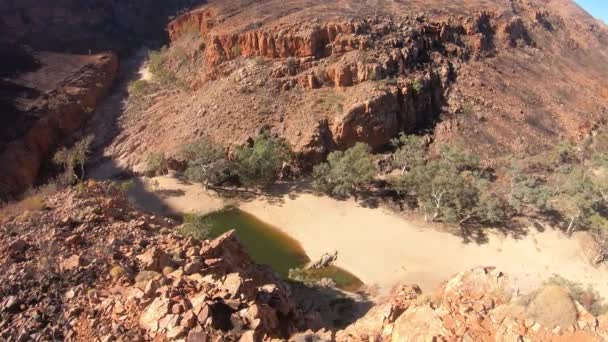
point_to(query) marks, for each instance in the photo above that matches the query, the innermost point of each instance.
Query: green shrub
(527, 192)
(122, 187)
(139, 88)
(410, 152)
(203, 150)
(417, 86)
(345, 172)
(156, 163)
(73, 160)
(261, 162)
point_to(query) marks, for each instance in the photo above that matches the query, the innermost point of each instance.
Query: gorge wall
(328, 75)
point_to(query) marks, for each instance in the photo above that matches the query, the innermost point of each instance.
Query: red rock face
(63, 111)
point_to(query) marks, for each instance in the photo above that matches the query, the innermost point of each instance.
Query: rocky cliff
(500, 76)
(48, 105)
(82, 264)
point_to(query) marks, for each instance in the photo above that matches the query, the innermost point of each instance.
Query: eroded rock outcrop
(477, 305)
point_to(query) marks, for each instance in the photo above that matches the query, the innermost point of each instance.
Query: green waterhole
(270, 246)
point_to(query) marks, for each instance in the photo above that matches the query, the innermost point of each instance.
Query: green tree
(451, 188)
(261, 162)
(345, 171)
(73, 159)
(410, 152)
(206, 161)
(579, 199)
(527, 192)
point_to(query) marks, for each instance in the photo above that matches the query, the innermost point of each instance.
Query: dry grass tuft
(552, 306)
(32, 202)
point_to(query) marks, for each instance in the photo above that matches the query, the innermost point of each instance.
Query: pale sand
(384, 249)
(167, 195)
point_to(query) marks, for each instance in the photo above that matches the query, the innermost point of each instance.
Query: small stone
(71, 263)
(150, 288)
(197, 336)
(203, 314)
(193, 267)
(17, 246)
(188, 319)
(176, 332)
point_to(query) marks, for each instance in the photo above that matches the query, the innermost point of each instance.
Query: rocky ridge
(88, 266)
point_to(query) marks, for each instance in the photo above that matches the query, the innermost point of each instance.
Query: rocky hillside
(501, 76)
(82, 264)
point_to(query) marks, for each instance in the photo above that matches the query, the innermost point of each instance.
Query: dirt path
(383, 249)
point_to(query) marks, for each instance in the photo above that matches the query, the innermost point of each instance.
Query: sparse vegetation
(345, 172)
(589, 297)
(122, 187)
(236, 51)
(31, 202)
(207, 162)
(117, 271)
(73, 160)
(330, 101)
(417, 86)
(261, 162)
(308, 278)
(156, 163)
(292, 65)
(195, 226)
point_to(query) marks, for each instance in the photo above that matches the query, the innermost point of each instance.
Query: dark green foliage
(410, 152)
(260, 163)
(344, 172)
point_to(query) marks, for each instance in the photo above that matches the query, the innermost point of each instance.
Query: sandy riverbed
(384, 249)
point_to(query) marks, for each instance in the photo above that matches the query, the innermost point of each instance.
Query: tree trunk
(571, 225)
